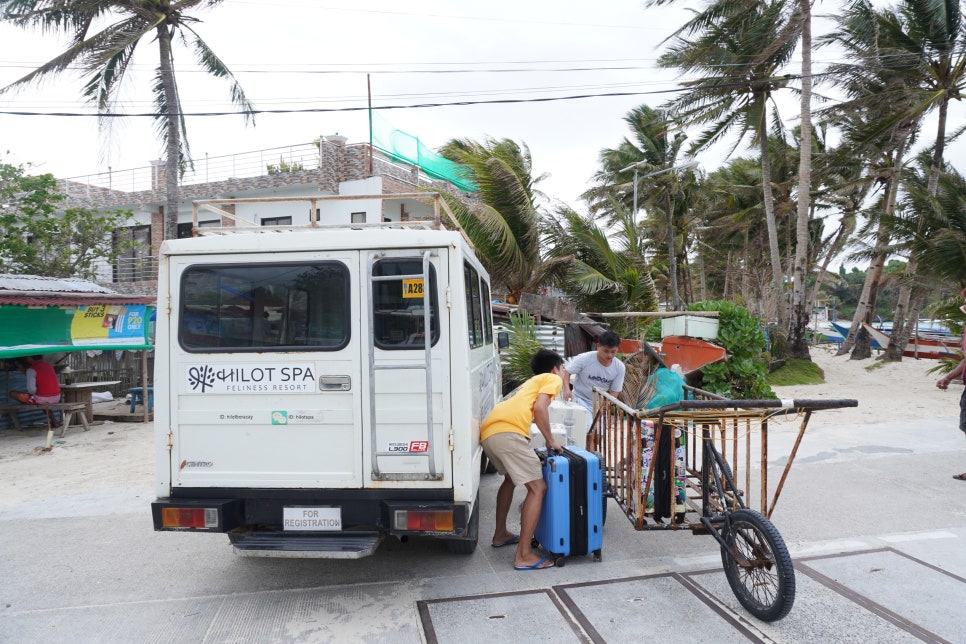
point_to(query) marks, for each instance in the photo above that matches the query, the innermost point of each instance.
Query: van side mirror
(503, 340)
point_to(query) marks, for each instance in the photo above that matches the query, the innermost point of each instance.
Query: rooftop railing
(209, 169)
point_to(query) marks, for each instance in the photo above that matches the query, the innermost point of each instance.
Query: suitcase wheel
(559, 561)
(597, 556)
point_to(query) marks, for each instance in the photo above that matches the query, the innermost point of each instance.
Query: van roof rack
(211, 205)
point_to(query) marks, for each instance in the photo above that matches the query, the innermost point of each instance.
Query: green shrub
(523, 344)
(743, 375)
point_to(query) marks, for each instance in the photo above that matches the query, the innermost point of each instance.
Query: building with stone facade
(330, 166)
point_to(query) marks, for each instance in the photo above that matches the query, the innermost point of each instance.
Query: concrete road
(871, 515)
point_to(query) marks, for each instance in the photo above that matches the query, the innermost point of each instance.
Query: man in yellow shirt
(505, 435)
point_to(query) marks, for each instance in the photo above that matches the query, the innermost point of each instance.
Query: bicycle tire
(764, 583)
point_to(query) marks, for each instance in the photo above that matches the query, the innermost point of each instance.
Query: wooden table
(81, 392)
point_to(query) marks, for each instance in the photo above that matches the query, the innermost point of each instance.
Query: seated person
(42, 385)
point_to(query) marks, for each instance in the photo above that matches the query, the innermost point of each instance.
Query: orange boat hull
(690, 353)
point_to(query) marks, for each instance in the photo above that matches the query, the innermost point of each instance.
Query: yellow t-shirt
(516, 413)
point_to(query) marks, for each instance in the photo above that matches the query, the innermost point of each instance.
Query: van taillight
(189, 517)
(424, 520)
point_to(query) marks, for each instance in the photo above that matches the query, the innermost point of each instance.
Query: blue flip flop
(512, 541)
(537, 566)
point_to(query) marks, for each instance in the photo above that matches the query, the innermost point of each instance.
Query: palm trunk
(772, 305)
(672, 266)
(870, 289)
(172, 135)
(901, 327)
(846, 227)
(797, 342)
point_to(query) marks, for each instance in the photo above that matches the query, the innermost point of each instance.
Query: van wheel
(487, 467)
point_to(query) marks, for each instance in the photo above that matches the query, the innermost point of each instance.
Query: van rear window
(399, 322)
(259, 307)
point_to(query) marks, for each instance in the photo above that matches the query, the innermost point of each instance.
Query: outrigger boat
(920, 345)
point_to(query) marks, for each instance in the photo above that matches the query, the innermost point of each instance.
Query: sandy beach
(119, 455)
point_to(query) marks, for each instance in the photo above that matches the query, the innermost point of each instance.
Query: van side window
(487, 313)
(398, 320)
(290, 306)
(474, 320)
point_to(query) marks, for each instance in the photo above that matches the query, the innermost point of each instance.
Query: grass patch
(796, 372)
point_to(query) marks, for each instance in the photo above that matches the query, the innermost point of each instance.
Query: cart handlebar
(803, 404)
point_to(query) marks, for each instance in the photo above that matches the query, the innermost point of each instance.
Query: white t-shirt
(586, 371)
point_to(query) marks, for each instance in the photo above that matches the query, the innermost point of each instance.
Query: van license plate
(312, 518)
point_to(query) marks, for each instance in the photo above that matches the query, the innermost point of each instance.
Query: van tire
(486, 466)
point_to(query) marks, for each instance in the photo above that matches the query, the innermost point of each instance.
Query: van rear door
(409, 409)
(266, 378)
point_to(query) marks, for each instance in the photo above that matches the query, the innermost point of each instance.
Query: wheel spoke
(757, 565)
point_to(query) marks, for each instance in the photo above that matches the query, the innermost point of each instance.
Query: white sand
(109, 456)
(885, 390)
(120, 455)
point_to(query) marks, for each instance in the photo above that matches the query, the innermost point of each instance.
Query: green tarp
(406, 148)
(51, 329)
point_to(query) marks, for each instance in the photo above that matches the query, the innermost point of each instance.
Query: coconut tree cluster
(858, 177)
(861, 175)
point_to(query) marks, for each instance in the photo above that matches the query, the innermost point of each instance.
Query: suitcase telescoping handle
(544, 456)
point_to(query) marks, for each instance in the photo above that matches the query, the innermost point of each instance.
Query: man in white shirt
(594, 368)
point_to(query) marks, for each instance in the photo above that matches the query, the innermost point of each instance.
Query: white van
(298, 406)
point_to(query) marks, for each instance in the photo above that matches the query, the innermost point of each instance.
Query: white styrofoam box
(566, 412)
(568, 423)
(691, 326)
(537, 440)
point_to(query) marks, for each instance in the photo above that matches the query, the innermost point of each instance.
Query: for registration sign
(326, 519)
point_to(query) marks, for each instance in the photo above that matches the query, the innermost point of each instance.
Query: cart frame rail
(622, 434)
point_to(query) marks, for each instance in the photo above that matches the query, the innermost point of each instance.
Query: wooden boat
(920, 345)
(690, 353)
(843, 329)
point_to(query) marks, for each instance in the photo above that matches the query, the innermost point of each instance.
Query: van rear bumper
(262, 512)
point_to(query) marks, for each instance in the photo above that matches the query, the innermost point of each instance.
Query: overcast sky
(307, 55)
(300, 54)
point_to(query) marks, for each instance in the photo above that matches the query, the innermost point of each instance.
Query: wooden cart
(701, 464)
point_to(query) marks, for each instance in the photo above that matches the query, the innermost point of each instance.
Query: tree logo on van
(201, 377)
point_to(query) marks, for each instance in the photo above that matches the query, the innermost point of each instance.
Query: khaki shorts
(513, 456)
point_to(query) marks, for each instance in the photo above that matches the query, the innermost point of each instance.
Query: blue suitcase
(572, 516)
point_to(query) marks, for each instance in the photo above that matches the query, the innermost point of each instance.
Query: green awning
(30, 330)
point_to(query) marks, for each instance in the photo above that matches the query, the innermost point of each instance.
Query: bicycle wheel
(758, 566)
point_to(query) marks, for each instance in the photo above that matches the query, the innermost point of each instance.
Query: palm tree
(105, 56)
(737, 50)
(797, 343)
(942, 249)
(654, 151)
(932, 227)
(654, 144)
(933, 35)
(880, 122)
(608, 272)
(732, 237)
(844, 188)
(505, 225)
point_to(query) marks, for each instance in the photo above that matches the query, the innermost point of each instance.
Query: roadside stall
(55, 317)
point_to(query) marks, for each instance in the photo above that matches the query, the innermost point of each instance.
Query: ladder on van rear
(426, 367)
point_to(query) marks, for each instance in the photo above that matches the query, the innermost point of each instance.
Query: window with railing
(134, 262)
(186, 230)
